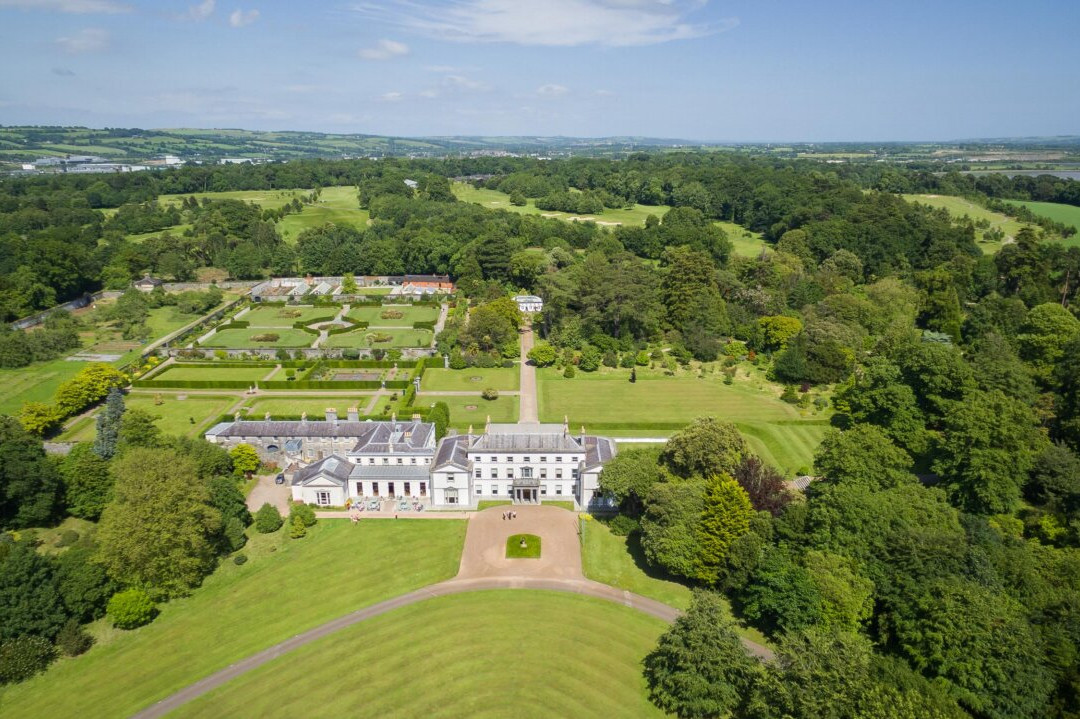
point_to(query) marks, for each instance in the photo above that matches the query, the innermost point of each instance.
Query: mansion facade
(333, 461)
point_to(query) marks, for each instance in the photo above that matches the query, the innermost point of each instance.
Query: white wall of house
(416, 488)
(318, 491)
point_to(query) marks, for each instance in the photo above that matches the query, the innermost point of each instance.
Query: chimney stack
(487, 425)
(354, 414)
(565, 425)
(236, 417)
(303, 416)
(331, 414)
(266, 417)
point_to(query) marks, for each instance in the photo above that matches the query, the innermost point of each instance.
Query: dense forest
(934, 568)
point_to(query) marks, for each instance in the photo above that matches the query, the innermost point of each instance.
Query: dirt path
(528, 408)
(483, 567)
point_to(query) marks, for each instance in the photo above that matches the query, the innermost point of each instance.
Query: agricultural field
(186, 417)
(587, 665)
(241, 338)
(281, 591)
(470, 380)
(278, 316)
(474, 410)
(364, 338)
(1065, 214)
(495, 200)
(608, 402)
(958, 207)
(409, 314)
(314, 406)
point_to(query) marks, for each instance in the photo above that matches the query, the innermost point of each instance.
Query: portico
(526, 490)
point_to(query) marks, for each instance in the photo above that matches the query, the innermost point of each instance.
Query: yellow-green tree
(245, 458)
(776, 330)
(724, 518)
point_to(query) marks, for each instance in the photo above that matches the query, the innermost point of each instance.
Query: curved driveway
(483, 566)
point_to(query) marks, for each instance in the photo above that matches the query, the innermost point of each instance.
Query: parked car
(280, 479)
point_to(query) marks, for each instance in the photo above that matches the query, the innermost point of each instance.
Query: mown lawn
(409, 314)
(267, 199)
(744, 242)
(619, 561)
(495, 200)
(187, 417)
(502, 409)
(211, 373)
(1065, 214)
(287, 587)
(241, 338)
(468, 655)
(470, 379)
(364, 338)
(314, 406)
(959, 207)
(36, 383)
(286, 316)
(657, 405)
(338, 205)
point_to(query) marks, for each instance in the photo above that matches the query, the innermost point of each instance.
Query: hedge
(303, 384)
(360, 324)
(429, 325)
(343, 330)
(375, 302)
(232, 365)
(193, 383)
(301, 324)
(234, 325)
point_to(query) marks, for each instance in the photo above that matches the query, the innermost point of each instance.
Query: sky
(704, 70)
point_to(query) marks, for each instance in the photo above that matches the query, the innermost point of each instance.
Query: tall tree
(108, 424)
(87, 482)
(862, 455)
(30, 602)
(725, 517)
(705, 447)
(158, 530)
(700, 667)
(29, 482)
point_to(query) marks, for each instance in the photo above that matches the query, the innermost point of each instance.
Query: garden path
(528, 413)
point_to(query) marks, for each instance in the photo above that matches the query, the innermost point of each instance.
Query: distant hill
(19, 144)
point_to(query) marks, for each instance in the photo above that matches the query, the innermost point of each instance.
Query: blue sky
(764, 70)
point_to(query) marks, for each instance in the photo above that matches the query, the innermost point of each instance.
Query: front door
(390, 489)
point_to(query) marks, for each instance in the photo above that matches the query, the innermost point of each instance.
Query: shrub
(627, 360)
(67, 538)
(623, 526)
(789, 395)
(23, 657)
(73, 640)
(569, 372)
(391, 314)
(304, 513)
(266, 337)
(490, 393)
(131, 608)
(233, 533)
(267, 519)
(297, 529)
(239, 559)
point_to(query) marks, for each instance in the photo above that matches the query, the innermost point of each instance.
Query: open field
(35, 383)
(314, 406)
(503, 409)
(1065, 214)
(283, 590)
(267, 199)
(210, 372)
(744, 242)
(409, 314)
(174, 230)
(495, 200)
(467, 655)
(470, 379)
(185, 417)
(958, 207)
(607, 401)
(338, 205)
(362, 338)
(241, 338)
(263, 316)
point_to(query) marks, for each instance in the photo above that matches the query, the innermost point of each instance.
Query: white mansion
(333, 460)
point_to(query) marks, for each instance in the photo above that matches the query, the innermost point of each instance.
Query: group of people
(509, 515)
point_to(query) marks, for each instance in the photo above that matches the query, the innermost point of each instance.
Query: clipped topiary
(303, 513)
(297, 529)
(130, 609)
(490, 393)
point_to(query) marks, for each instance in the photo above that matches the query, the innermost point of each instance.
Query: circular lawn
(500, 653)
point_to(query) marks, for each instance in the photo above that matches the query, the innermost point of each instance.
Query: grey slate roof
(375, 437)
(333, 467)
(452, 452)
(598, 451)
(390, 471)
(520, 441)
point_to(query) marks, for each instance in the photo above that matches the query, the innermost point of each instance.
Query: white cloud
(460, 82)
(74, 7)
(89, 39)
(391, 96)
(240, 18)
(384, 50)
(612, 23)
(201, 11)
(552, 90)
